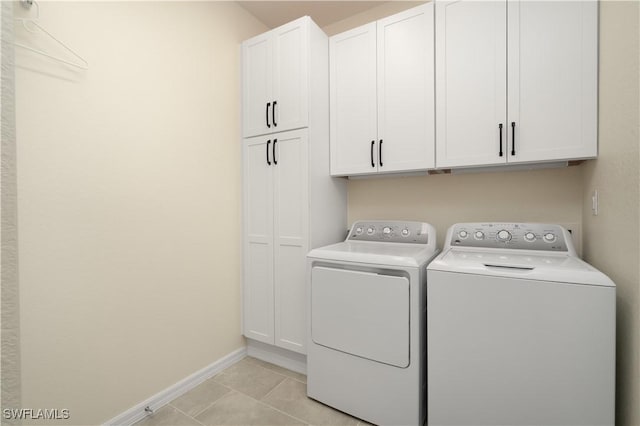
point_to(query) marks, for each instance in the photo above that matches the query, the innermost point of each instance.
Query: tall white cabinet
(382, 95)
(290, 202)
(516, 81)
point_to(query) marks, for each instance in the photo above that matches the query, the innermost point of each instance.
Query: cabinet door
(470, 83)
(405, 90)
(258, 240)
(553, 81)
(353, 116)
(291, 240)
(290, 75)
(256, 85)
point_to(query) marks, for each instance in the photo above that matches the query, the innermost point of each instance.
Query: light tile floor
(250, 392)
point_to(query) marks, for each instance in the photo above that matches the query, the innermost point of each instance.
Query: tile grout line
(231, 390)
(259, 366)
(285, 377)
(274, 388)
(282, 412)
(274, 370)
(182, 412)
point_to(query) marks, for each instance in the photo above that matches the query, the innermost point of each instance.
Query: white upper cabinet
(275, 79)
(516, 82)
(381, 95)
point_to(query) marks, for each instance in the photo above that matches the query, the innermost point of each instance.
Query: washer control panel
(390, 231)
(523, 236)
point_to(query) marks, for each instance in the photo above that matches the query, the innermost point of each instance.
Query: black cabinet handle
(513, 138)
(273, 114)
(500, 129)
(268, 143)
(267, 114)
(372, 145)
(275, 141)
(380, 153)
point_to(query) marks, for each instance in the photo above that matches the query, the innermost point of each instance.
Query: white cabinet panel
(259, 250)
(553, 82)
(352, 108)
(291, 240)
(471, 85)
(290, 302)
(256, 90)
(405, 91)
(290, 77)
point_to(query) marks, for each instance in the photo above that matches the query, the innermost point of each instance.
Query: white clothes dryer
(366, 344)
(520, 331)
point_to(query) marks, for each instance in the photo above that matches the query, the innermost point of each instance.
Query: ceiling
(276, 13)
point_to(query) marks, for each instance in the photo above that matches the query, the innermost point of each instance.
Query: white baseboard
(290, 360)
(137, 412)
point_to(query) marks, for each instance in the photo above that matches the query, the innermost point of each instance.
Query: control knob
(386, 230)
(463, 234)
(405, 232)
(504, 235)
(371, 230)
(359, 230)
(549, 237)
(530, 236)
(479, 235)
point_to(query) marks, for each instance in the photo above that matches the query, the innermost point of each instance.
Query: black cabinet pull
(372, 145)
(268, 143)
(500, 129)
(380, 153)
(275, 159)
(273, 114)
(513, 138)
(267, 114)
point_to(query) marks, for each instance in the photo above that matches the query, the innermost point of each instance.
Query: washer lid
(376, 253)
(552, 267)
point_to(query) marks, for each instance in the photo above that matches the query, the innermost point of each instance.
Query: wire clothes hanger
(32, 26)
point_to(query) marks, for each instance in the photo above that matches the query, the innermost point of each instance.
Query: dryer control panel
(390, 231)
(523, 236)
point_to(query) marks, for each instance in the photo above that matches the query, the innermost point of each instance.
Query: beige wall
(9, 294)
(129, 201)
(386, 8)
(553, 196)
(612, 239)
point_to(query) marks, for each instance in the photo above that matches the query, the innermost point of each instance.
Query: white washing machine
(366, 349)
(520, 331)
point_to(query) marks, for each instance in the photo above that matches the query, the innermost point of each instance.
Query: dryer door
(361, 313)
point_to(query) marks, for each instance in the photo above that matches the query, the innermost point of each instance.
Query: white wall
(612, 238)
(129, 201)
